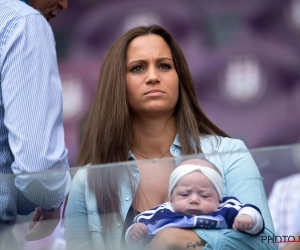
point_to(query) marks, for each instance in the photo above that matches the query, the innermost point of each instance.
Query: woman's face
(151, 79)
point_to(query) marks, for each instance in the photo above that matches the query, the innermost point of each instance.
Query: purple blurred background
(244, 57)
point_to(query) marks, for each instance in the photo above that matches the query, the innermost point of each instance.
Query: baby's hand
(242, 222)
(138, 231)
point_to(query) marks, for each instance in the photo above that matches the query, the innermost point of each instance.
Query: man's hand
(42, 223)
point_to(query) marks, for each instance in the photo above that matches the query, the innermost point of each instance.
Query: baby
(196, 201)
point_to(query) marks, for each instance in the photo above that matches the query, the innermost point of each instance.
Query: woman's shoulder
(214, 143)
(80, 174)
(80, 184)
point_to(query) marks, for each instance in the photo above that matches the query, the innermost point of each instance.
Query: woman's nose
(152, 76)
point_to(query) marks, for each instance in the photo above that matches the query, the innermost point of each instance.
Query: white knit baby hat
(185, 169)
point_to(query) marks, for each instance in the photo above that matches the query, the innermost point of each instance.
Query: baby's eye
(184, 195)
(164, 66)
(204, 196)
(138, 68)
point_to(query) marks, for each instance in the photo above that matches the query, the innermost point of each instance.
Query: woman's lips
(154, 92)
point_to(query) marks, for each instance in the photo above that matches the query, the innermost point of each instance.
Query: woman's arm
(175, 239)
(78, 231)
(241, 178)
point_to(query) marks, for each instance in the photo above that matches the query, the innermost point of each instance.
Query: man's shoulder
(15, 9)
(287, 181)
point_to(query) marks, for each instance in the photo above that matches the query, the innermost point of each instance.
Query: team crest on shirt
(206, 223)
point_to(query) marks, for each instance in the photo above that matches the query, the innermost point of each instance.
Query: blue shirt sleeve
(32, 100)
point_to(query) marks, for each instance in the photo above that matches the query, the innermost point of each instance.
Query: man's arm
(293, 245)
(33, 112)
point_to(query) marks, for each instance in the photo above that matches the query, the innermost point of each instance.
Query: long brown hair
(108, 132)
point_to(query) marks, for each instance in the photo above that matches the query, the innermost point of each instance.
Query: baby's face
(194, 194)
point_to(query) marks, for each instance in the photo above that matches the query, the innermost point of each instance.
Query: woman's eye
(164, 66)
(138, 68)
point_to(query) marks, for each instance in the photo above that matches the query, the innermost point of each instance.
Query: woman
(146, 107)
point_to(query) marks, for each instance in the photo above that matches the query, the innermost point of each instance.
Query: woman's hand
(176, 239)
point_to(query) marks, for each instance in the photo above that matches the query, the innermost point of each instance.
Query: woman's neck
(153, 138)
